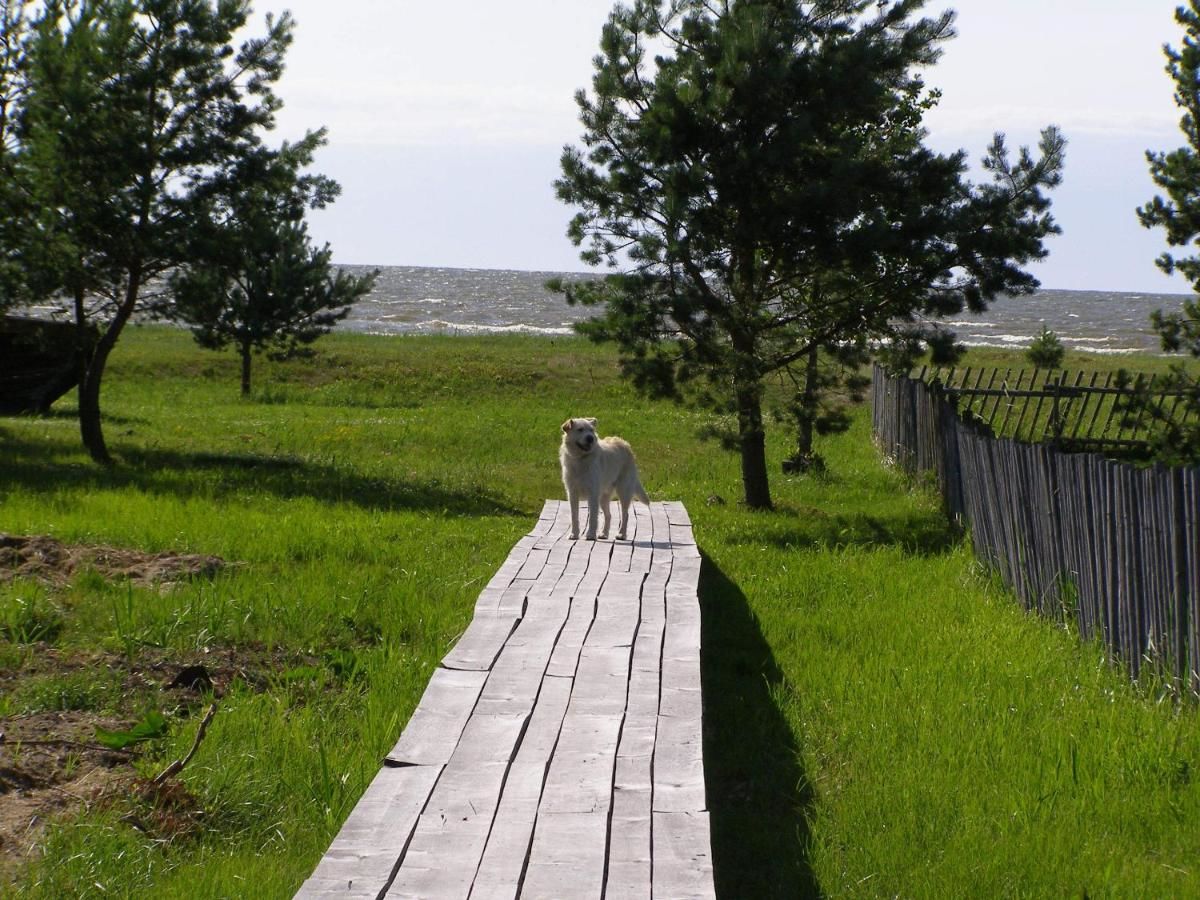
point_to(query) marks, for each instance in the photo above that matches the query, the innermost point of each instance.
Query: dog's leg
(624, 526)
(606, 507)
(593, 508)
(573, 499)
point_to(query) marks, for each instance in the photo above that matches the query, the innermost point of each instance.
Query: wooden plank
(643, 544)
(629, 856)
(617, 611)
(601, 681)
(682, 856)
(361, 859)
(682, 534)
(581, 774)
(583, 611)
(677, 514)
(679, 765)
(481, 643)
(510, 600)
(559, 522)
(662, 527)
(535, 561)
(504, 859)
(452, 831)
(570, 839)
(630, 851)
(437, 723)
(565, 861)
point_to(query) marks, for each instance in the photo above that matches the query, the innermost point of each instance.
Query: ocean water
(417, 299)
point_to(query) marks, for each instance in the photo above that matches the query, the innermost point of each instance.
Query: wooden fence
(1075, 411)
(1113, 547)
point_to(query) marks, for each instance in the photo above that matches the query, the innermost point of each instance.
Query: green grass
(881, 717)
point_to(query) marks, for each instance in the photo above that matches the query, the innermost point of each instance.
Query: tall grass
(881, 718)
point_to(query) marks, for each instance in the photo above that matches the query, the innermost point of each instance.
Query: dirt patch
(53, 761)
(46, 559)
(53, 765)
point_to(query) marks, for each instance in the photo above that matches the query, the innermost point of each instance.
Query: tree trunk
(90, 425)
(752, 439)
(90, 430)
(245, 352)
(808, 406)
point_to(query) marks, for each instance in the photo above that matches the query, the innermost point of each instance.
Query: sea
(424, 300)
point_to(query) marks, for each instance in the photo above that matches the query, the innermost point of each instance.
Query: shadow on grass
(36, 465)
(758, 793)
(921, 532)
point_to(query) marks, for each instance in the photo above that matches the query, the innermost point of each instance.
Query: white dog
(598, 468)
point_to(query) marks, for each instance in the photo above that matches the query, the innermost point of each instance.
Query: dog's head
(579, 435)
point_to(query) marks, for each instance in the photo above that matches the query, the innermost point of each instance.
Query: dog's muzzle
(585, 446)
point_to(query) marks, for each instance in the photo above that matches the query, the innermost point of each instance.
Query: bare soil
(49, 560)
(51, 763)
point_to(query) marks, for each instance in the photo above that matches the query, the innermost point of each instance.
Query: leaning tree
(754, 174)
(132, 109)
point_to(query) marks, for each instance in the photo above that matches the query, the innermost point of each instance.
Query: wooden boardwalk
(557, 751)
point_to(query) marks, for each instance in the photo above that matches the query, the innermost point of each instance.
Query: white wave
(1011, 346)
(443, 327)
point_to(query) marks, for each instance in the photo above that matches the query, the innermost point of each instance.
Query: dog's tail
(640, 493)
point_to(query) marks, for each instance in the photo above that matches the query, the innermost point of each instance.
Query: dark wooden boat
(37, 363)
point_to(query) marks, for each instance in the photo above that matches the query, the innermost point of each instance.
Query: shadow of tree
(758, 793)
(920, 532)
(36, 465)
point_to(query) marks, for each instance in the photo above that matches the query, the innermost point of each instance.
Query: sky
(446, 122)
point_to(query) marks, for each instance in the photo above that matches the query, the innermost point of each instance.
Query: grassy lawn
(881, 718)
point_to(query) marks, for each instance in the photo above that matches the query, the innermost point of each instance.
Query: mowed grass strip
(881, 718)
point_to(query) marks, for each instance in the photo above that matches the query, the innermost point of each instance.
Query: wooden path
(557, 750)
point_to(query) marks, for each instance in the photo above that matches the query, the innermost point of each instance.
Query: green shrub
(1046, 351)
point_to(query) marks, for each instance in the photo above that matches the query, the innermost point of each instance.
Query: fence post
(1183, 666)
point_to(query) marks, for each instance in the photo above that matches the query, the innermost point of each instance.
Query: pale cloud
(428, 113)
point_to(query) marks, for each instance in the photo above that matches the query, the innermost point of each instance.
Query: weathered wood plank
(677, 514)
(499, 874)
(618, 607)
(437, 723)
(361, 859)
(679, 765)
(682, 856)
(583, 611)
(566, 863)
(570, 839)
(452, 831)
(601, 681)
(481, 643)
(581, 773)
(630, 852)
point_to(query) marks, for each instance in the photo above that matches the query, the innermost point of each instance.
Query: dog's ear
(592, 421)
(568, 425)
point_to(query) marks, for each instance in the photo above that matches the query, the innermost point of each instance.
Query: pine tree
(255, 281)
(1177, 438)
(762, 188)
(14, 36)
